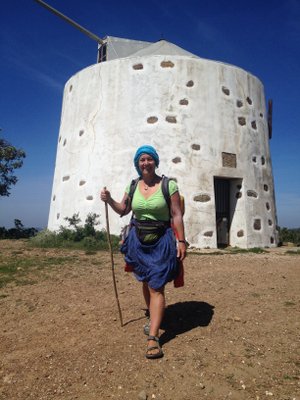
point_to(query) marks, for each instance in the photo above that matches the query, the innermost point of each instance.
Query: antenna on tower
(88, 33)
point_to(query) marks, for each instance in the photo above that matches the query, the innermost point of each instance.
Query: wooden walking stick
(112, 263)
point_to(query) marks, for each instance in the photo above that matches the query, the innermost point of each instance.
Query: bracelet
(181, 241)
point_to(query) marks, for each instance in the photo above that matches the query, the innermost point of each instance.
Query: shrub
(18, 232)
(79, 237)
(90, 243)
(289, 235)
(46, 238)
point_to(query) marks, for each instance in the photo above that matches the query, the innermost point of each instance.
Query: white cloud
(35, 74)
(26, 61)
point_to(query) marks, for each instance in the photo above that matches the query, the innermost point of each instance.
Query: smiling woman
(150, 248)
(147, 166)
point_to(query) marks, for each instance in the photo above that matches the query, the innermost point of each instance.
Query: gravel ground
(232, 332)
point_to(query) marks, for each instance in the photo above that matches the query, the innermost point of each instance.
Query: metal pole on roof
(70, 21)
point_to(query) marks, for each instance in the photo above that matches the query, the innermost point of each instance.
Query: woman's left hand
(181, 250)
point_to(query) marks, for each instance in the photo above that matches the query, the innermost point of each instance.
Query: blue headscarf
(145, 150)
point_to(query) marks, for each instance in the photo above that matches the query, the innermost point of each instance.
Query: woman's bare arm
(121, 208)
(178, 225)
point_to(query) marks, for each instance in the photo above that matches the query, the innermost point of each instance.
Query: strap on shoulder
(132, 187)
(165, 190)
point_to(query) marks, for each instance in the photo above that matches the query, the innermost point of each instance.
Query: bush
(66, 239)
(90, 243)
(46, 238)
(79, 237)
(18, 232)
(289, 235)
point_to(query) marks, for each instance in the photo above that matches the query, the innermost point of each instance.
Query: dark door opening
(222, 202)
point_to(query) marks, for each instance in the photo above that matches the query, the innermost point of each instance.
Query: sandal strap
(153, 348)
(150, 337)
(159, 353)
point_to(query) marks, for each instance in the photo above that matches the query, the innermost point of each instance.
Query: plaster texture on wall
(191, 110)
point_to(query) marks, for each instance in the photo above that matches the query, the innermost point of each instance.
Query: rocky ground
(232, 332)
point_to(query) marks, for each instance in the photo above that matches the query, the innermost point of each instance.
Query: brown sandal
(159, 353)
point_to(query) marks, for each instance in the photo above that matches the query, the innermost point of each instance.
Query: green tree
(74, 221)
(18, 232)
(90, 223)
(18, 224)
(289, 235)
(11, 158)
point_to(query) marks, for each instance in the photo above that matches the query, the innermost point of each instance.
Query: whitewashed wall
(191, 110)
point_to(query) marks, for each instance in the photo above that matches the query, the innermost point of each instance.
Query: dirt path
(232, 332)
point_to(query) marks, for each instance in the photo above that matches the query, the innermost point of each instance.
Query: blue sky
(40, 52)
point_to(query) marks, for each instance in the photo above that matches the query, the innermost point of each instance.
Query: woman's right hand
(105, 195)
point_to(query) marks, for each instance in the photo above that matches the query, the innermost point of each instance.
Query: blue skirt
(155, 263)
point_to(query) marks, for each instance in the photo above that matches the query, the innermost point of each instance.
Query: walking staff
(112, 263)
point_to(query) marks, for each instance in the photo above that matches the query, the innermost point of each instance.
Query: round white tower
(207, 121)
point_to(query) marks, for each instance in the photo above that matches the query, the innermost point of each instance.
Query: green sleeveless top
(155, 206)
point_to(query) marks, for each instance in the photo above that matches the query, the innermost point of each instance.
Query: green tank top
(155, 206)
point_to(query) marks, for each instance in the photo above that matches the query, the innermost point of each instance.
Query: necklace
(146, 187)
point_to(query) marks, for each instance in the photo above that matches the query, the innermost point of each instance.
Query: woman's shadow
(183, 317)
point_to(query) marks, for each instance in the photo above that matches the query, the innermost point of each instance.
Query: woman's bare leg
(146, 295)
(157, 309)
